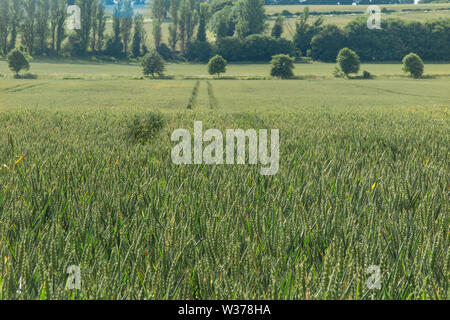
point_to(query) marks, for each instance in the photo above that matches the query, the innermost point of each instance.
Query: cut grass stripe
(193, 99)
(213, 103)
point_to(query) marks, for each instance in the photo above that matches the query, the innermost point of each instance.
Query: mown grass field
(363, 180)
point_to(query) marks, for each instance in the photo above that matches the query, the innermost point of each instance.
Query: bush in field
(367, 75)
(17, 61)
(337, 73)
(282, 66)
(413, 64)
(153, 63)
(286, 13)
(348, 61)
(143, 129)
(217, 65)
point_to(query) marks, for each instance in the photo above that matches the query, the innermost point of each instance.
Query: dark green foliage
(348, 61)
(114, 47)
(143, 129)
(259, 47)
(153, 63)
(230, 48)
(282, 66)
(217, 65)
(413, 64)
(429, 39)
(256, 47)
(199, 51)
(17, 61)
(326, 45)
(165, 52)
(75, 46)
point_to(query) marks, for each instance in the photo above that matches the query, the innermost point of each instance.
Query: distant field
(358, 8)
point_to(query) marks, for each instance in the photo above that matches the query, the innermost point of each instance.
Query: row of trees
(40, 25)
(238, 32)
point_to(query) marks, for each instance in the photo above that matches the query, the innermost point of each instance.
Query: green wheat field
(364, 180)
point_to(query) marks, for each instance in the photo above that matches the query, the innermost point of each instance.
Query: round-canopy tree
(282, 66)
(348, 61)
(17, 61)
(152, 64)
(413, 64)
(217, 65)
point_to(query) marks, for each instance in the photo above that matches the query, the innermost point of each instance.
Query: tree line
(197, 30)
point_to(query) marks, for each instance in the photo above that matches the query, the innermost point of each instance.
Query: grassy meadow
(363, 180)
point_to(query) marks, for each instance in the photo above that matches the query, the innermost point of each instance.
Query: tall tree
(203, 20)
(42, 26)
(251, 17)
(116, 23)
(95, 7)
(277, 29)
(187, 22)
(29, 25)
(158, 12)
(54, 6)
(85, 22)
(138, 36)
(191, 21)
(126, 23)
(4, 26)
(16, 18)
(173, 27)
(101, 26)
(304, 31)
(60, 25)
(184, 9)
